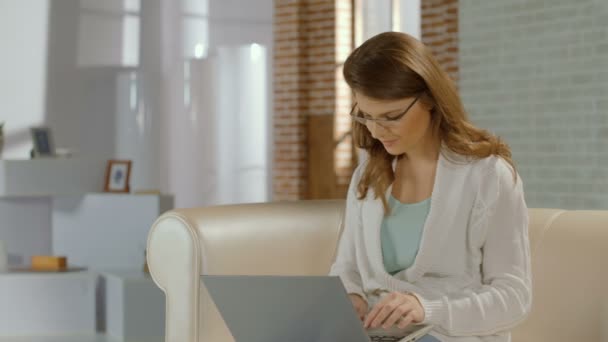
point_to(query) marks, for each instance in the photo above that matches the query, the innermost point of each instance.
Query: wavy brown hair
(394, 66)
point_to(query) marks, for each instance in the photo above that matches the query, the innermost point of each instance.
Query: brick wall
(536, 73)
(289, 169)
(344, 157)
(440, 32)
(312, 37)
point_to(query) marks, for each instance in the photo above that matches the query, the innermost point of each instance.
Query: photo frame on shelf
(42, 139)
(118, 174)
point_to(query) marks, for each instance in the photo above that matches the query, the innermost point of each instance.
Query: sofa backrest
(570, 277)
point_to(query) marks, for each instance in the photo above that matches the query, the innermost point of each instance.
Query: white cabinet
(134, 306)
(104, 231)
(47, 303)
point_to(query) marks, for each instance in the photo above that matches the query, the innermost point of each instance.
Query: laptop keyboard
(385, 338)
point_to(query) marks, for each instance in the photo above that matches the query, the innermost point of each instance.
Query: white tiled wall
(536, 73)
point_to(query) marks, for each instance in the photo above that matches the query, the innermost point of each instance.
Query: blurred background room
(150, 105)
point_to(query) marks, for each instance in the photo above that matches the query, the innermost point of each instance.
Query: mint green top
(401, 233)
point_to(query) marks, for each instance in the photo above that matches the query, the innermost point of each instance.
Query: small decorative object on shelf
(1, 138)
(44, 145)
(64, 152)
(118, 173)
(49, 263)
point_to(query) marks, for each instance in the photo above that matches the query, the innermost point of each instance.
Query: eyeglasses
(386, 123)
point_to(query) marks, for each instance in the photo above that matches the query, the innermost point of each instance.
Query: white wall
(74, 90)
(80, 101)
(23, 33)
(536, 73)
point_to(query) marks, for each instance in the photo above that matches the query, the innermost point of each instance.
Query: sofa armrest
(173, 256)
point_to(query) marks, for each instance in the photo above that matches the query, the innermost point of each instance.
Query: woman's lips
(388, 142)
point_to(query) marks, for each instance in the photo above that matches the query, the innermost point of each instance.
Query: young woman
(436, 226)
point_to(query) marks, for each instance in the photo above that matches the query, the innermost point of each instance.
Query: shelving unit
(54, 206)
(51, 177)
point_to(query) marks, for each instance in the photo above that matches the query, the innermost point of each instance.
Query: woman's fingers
(405, 321)
(397, 314)
(383, 310)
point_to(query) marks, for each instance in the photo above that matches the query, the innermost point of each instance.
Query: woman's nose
(375, 128)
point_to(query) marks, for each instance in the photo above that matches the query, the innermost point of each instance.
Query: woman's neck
(425, 152)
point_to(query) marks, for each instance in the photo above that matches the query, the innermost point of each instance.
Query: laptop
(294, 309)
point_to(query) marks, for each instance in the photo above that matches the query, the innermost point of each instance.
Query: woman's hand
(397, 308)
(360, 305)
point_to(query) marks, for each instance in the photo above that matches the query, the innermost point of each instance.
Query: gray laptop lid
(285, 308)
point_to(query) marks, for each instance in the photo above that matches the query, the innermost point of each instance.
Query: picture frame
(118, 174)
(42, 139)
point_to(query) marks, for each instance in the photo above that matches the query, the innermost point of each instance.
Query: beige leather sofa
(569, 260)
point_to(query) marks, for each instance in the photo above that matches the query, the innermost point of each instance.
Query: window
(376, 16)
(196, 28)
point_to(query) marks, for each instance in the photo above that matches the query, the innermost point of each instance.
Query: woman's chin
(393, 150)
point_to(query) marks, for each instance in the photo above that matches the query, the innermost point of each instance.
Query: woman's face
(397, 136)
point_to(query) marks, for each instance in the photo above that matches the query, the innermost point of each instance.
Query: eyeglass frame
(382, 122)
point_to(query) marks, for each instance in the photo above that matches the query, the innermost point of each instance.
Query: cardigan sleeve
(505, 296)
(345, 263)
